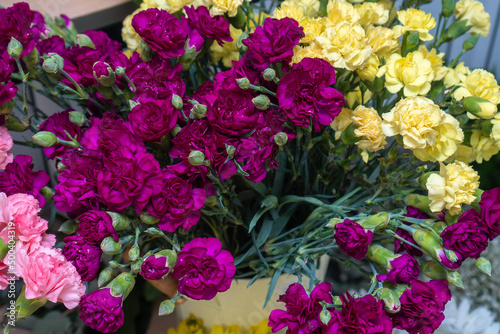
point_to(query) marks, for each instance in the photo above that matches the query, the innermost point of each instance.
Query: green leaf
(272, 285)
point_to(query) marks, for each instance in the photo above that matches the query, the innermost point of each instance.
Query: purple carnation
(6, 69)
(53, 44)
(203, 268)
(95, 225)
(490, 211)
(305, 93)
(422, 307)
(214, 28)
(7, 92)
(302, 310)
(353, 239)
(363, 315)
(162, 31)
(102, 311)
(59, 124)
(404, 270)
(400, 246)
(272, 43)
(19, 177)
(84, 256)
(154, 268)
(468, 236)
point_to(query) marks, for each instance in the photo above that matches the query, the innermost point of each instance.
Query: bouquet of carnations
(236, 139)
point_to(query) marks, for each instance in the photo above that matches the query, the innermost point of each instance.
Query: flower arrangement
(245, 140)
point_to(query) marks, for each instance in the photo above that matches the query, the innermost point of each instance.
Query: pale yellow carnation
(416, 119)
(289, 9)
(455, 185)
(130, 37)
(372, 13)
(463, 153)
(483, 147)
(310, 7)
(473, 12)
(353, 98)
(311, 51)
(339, 11)
(341, 122)
(413, 73)
(479, 83)
(345, 46)
(313, 27)
(170, 6)
(228, 51)
(221, 7)
(383, 41)
(436, 60)
(369, 71)
(415, 20)
(495, 130)
(368, 127)
(451, 77)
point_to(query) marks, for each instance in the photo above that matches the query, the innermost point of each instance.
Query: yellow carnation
(372, 13)
(383, 41)
(345, 46)
(171, 6)
(228, 51)
(451, 77)
(436, 61)
(495, 130)
(455, 185)
(369, 71)
(341, 122)
(415, 20)
(311, 51)
(130, 37)
(310, 7)
(473, 12)
(289, 9)
(413, 73)
(191, 325)
(416, 119)
(483, 147)
(261, 328)
(463, 153)
(339, 11)
(368, 127)
(221, 7)
(312, 27)
(353, 98)
(479, 83)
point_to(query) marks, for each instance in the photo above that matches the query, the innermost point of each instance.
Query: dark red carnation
(59, 125)
(214, 28)
(404, 270)
(490, 211)
(95, 225)
(84, 256)
(102, 311)
(353, 239)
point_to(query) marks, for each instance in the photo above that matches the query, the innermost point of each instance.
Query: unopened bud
(170, 255)
(261, 102)
(243, 83)
(149, 219)
(410, 42)
(166, 307)
(77, 118)
(198, 111)
(14, 48)
(134, 253)
(47, 193)
(120, 221)
(84, 40)
(68, 227)
(122, 285)
(381, 255)
(269, 74)
(154, 231)
(104, 74)
(420, 202)
(53, 63)
(484, 265)
(470, 42)
(334, 221)
(325, 316)
(431, 245)
(280, 139)
(177, 102)
(104, 276)
(454, 279)
(230, 150)
(390, 298)
(45, 138)
(455, 30)
(376, 221)
(433, 270)
(136, 266)
(111, 247)
(177, 128)
(119, 70)
(480, 107)
(448, 7)
(196, 158)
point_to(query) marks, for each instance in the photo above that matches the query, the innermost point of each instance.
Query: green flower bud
(14, 48)
(269, 74)
(31, 60)
(136, 266)
(433, 270)
(119, 70)
(432, 246)
(68, 227)
(280, 139)
(4, 249)
(110, 247)
(325, 316)
(154, 231)
(45, 138)
(177, 102)
(127, 241)
(420, 202)
(334, 221)
(53, 63)
(189, 56)
(480, 107)
(454, 278)
(47, 193)
(134, 253)
(261, 102)
(14, 124)
(448, 7)
(239, 42)
(122, 285)
(198, 111)
(146, 53)
(149, 219)
(84, 40)
(455, 30)
(166, 307)
(170, 255)
(243, 83)
(376, 221)
(77, 118)
(470, 42)
(230, 149)
(176, 130)
(410, 42)
(196, 158)
(120, 221)
(439, 227)
(390, 298)
(104, 276)
(348, 137)
(104, 74)
(484, 265)
(211, 201)
(381, 255)
(6, 108)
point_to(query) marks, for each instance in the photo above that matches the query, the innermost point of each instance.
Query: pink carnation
(48, 275)
(4, 275)
(5, 146)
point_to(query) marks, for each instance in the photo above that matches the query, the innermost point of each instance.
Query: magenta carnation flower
(305, 93)
(155, 267)
(353, 239)
(53, 44)
(163, 32)
(490, 211)
(84, 256)
(302, 310)
(203, 268)
(363, 315)
(400, 246)
(59, 124)
(95, 225)
(422, 307)
(214, 28)
(102, 311)
(404, 270)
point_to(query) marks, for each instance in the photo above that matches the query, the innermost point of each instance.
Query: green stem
(262, 90)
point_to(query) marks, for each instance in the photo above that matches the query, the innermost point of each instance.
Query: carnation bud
(325, 316)
(189, 56)
(154, 231)
(381, 255)
(448, 7)
(149, 219)
(122, 285)
(45, 138)
(47, 193)
(261, 102)
(146, 53)
(431, 245)
(239, 42)
(84, 40)
(269, 74)
(110, 247)
(14, 48)
(104, 74)
(243, 83)
(211, 201)
(104, 276)
(68, 227)
(391, 300)
(14, 124)
(166, 307)
(230, 150)
(170, 255)
(53, 63)
(32, 59)
(470, 42)
(480, 107)
(454, 279)
(119, 70)
(410, 42)
(198, 111)
(134, 253)
(177, 102)
(433, 270)
(136, 266)
(455, 30)
(77, 118)
(177, 128)
(120, 221)
(484, 265)
(420, 202)
(280, 139)
(376, 221)
(196, 158)
(334, 221)
(6, 108)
